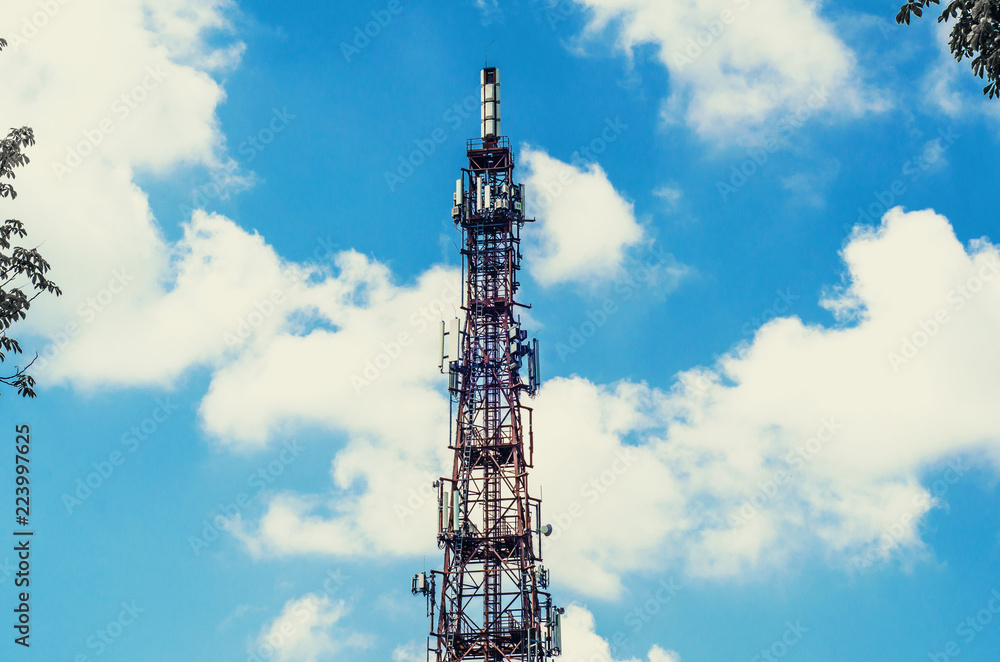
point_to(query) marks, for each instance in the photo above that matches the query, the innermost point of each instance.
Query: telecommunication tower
(489, 603)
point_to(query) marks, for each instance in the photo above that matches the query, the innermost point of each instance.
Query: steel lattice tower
(489, 602)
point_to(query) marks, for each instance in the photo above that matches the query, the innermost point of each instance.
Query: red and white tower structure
(489, 602)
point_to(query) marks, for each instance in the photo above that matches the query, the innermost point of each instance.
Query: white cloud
(692, 478)
(810, 187)
(373, 378)
(940, 81)
(138, 309)
(151, 108)
(222, 283)
(236, 615)
(334, 355)
(670, 194)
(585, 226)
(581, 641)
(856, 416)
(950, 86)
(381, 347)
(657, 654)
(491, 11)
(415, 651)
(304, 632)
(686, 477)
(178, 25)
(737, 65)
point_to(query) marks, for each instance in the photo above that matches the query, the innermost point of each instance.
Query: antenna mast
(489, 603)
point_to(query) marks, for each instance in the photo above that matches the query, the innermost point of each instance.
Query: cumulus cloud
(221, 289)
(372, 376)
(585, 226)
(377, 344)
(179, 24)
(304, 631)
(151, 109)
(807, 440)
(737, 65)
(139, 310)
(581, 641)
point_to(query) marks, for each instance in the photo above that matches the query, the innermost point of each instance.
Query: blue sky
(235, 252)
